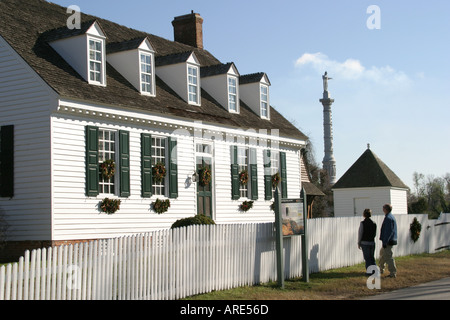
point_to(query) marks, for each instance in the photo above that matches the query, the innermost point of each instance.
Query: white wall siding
(77, 216)
(25, 102)
(399, 201)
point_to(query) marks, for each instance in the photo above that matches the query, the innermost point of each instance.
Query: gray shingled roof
(369, 171)
(27, 26)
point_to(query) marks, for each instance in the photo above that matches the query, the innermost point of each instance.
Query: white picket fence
(173, 264)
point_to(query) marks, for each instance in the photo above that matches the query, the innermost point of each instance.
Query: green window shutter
(92, 167)
(124, 165)
(267, 176)
(146, 165)
(283, 175)
(253, 175)
(235, 183)
(173, 169)
(7, 162)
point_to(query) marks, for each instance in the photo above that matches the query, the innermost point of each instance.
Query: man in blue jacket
(388, 237)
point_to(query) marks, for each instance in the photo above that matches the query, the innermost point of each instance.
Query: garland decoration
(243, 177)
(205, 176)
(108, 169)
(159, 172)
(246, 205)
(276, 180)
(161, 206)
(415, 228)
(110, 206)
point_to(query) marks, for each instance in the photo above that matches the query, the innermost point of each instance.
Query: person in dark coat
(366, 238)
(388, 237)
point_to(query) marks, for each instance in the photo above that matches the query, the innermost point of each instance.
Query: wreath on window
(246, 205)
(205, 176)
(415, 228)
(159, 172)
(276, 180)
(161, 206)
(110, 206)
(108, 169)
(243, 177)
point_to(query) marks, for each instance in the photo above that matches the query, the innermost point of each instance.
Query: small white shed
(369, 184)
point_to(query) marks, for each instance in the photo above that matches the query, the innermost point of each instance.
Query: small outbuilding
(369, 183)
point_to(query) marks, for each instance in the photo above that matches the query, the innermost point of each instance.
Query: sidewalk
(435, 290)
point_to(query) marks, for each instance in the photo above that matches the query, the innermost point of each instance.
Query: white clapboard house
(369, 184)
(77, 103)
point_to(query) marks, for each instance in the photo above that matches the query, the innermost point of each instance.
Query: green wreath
(276, 180)
(159, 172)
(204, 176)
(108, 169)
(243, 177)
(415, 228)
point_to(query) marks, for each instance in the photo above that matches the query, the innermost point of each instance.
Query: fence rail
(173, 264)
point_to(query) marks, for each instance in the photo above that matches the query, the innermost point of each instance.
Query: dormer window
(193, 84)
(232, 94)
(146, 73)
(95, 60)
(135, 60)
(254, 91)
(84, 49)
(264, 101)
(181, 72)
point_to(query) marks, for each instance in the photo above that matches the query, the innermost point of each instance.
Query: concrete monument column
(329, 163)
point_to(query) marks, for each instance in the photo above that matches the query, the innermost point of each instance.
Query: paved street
(436, 290)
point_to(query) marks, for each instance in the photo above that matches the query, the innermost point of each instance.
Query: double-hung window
(193, 95)
(106, 151)
(264, 101)
(232, 94)
(243, 158)
(159, 157)
(146, 74)
(102, 145)
(95, 61)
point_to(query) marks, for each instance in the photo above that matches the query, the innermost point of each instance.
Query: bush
(198, 219)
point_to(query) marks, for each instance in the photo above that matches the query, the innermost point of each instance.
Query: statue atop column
(325, 81)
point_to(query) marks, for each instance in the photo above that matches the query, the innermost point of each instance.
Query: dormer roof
(254, 77)
(221, 68)
(92, 27)
(175, 58)
(133, 44)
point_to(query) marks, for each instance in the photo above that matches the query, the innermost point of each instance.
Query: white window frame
(107, 153)
(193, 84)
(264, 101)
(232, 94)
(143, 71)
(95, 61)
(160, 188)
(275, 167)
(243, 161)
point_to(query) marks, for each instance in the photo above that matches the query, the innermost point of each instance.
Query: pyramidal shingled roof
(369, 171)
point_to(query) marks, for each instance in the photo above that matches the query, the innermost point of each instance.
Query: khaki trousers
(386, 258)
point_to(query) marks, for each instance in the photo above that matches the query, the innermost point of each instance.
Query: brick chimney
(188, 29)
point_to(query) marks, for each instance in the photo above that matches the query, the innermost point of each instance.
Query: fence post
(279, 239)
(305, 258)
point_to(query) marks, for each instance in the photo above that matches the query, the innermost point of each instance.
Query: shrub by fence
(173, 264)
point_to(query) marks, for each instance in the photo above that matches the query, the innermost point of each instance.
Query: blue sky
(390, 84)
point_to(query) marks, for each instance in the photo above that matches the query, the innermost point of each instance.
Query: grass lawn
(344, 283)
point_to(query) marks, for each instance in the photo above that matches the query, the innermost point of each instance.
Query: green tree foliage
(431, 195)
